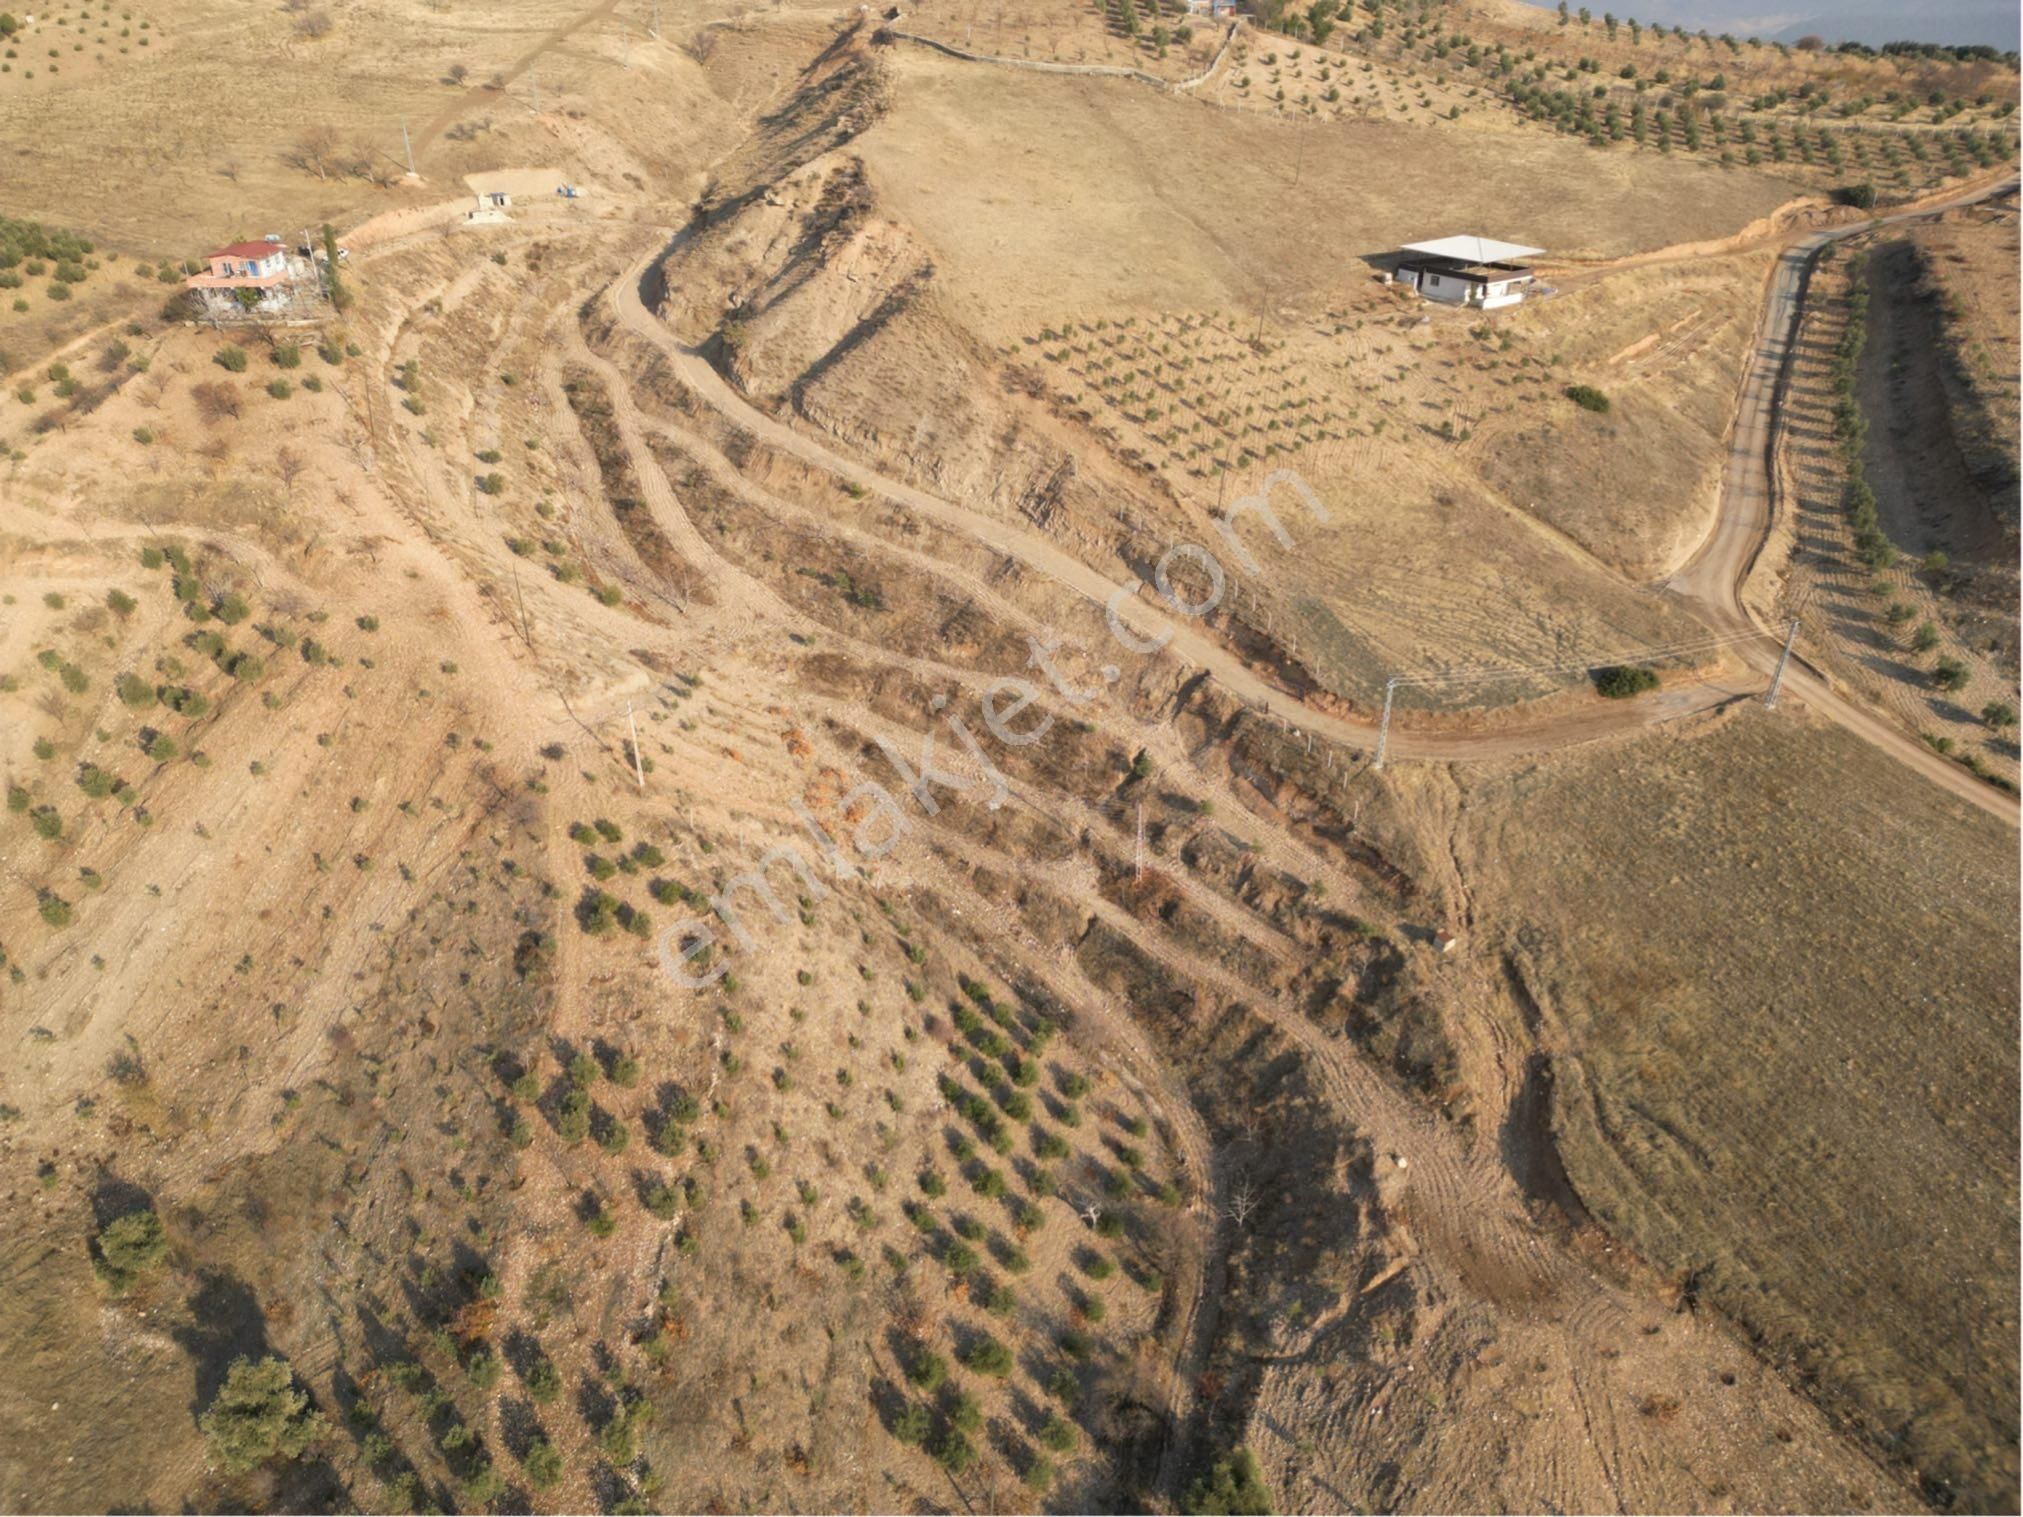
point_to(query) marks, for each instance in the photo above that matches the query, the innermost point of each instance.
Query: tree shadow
(226, 1324)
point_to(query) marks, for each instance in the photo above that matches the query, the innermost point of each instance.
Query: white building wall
(1444, 288)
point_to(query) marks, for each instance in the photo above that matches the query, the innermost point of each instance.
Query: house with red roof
(260, 265)
(245, 278)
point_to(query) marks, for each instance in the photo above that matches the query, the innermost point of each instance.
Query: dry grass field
(1785, 1078)
(1041, 1121)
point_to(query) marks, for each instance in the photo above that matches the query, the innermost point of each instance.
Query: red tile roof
(254, 250)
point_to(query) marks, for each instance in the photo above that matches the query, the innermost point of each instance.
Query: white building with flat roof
(1468, 271)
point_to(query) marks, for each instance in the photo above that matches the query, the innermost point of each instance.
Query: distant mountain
(1951, 22)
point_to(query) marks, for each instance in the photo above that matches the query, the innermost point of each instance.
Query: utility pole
(1777, 679)
(408, 143)
(1384, 726)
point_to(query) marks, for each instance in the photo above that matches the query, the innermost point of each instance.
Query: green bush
(1588, 398)
(1949, 674)
(927, 1370)
(544, 1381)
(1038, 1473)
(543, 1464)
(912, 1425)
(260, 1415)
(129, 1247)
(1234, 1485)
(572, 1122)
(955, 1453)
(483, 1369)
(987, 1356)
(231, 358)
(1621, 681)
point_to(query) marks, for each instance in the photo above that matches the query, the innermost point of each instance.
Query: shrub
(1999, 715)
(1232, 1485)
(928, 1370)
(120, 603)
(965, 1413)
(1038, 1473)
(572, 1122)
(544, 1381)
(260, 1415)
(1621, 681)
(129, 1247)
(1949, 674)
(288, 355)
(483, 1369)
(987, 1356)
(481, 1487)
(543, 1464)
(1588, 398)
(912, 1425)
(955, 1453)
(231, 358)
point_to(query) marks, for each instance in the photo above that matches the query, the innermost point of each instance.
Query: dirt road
(1712, 578)
(1515, 737)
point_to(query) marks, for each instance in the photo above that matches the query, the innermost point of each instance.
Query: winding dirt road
(1712, 578)
(1710, 582)
(1521, 733)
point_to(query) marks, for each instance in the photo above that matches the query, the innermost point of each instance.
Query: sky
(1994, 22)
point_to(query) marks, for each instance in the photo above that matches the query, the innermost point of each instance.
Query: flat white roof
(1472, 249)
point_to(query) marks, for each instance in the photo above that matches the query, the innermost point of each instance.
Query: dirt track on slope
(1710, 581)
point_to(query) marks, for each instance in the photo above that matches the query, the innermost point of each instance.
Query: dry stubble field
(1776, 987)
